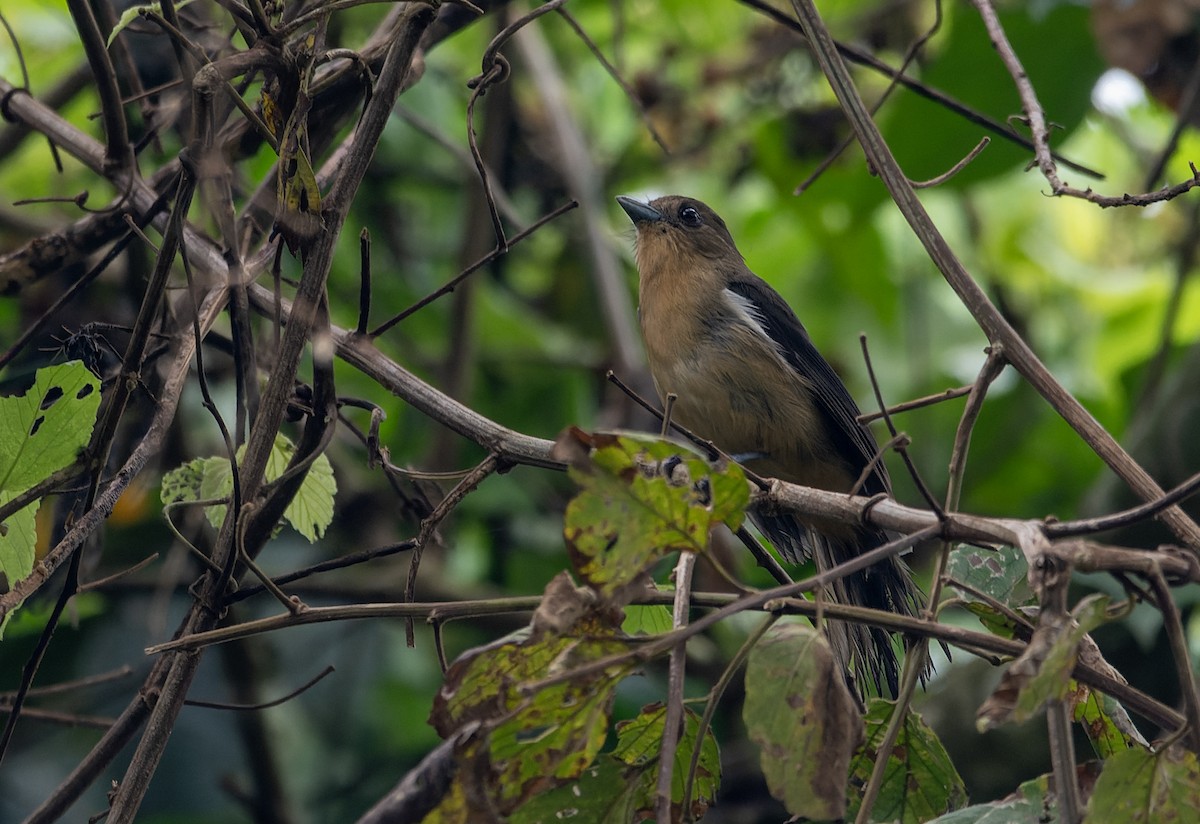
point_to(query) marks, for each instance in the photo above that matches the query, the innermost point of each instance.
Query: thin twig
(1035, 116)
(916, 403)
(955, 169)
(900, 444)
(262, 705)
(673, 715)
(1178, 642)
(863, 57)
(429, 525)
(118, 154)
(457, 280)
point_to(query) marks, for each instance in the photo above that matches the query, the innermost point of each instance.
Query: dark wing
(852, 439)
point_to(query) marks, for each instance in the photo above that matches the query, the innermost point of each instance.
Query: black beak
(639, 212)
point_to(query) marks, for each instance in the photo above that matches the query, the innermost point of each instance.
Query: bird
(746, 375)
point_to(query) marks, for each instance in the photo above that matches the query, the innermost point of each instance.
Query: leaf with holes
(641, 499)
(621, 786)
(41, 431)
(531, 741)
(1000, 573)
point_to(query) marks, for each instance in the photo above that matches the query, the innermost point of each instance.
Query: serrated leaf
(803, 718)
(311, 510)
(1000, 573)
(919, 782)
(639, 745)
(216, 483)
(1042, 672)
(183, 483)
(41, 432)
(1139, 786)
(628, 515)
(205, 479)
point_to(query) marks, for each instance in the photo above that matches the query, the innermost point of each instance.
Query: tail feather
(866, 652)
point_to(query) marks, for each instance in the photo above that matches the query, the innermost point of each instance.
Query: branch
(361, 353)
(997, 329)
(118, 154)
(1036, 118)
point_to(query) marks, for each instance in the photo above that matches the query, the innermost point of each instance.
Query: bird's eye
(690, 216)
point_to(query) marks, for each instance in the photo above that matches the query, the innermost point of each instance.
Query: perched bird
(747, 376)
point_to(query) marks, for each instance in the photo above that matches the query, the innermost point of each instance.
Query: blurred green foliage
(748, 117)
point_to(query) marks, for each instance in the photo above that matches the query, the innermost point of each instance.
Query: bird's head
(674, 231)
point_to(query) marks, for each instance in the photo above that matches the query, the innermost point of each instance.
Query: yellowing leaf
(629, 513)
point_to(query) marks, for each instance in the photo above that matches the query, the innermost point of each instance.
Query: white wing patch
(747, 312)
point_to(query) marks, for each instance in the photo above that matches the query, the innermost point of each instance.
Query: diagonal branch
(997, 329)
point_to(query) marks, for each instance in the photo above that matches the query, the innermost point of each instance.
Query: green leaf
(1108, 726)
(41, 432)
(639, 744)
(605, 793)
(554, 735)
(1032, 803)
(30, 622)
(802, 716)
(1002, 574)
(217, 483)
(130, 14)
(628, 515)
(18, 541)
(1043, 670)
(1141, 786)
(311, 510)
(647, 619)
(919, 782)
(204, 479)
(183, 483)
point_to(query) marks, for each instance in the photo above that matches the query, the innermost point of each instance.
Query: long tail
(866, 652)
